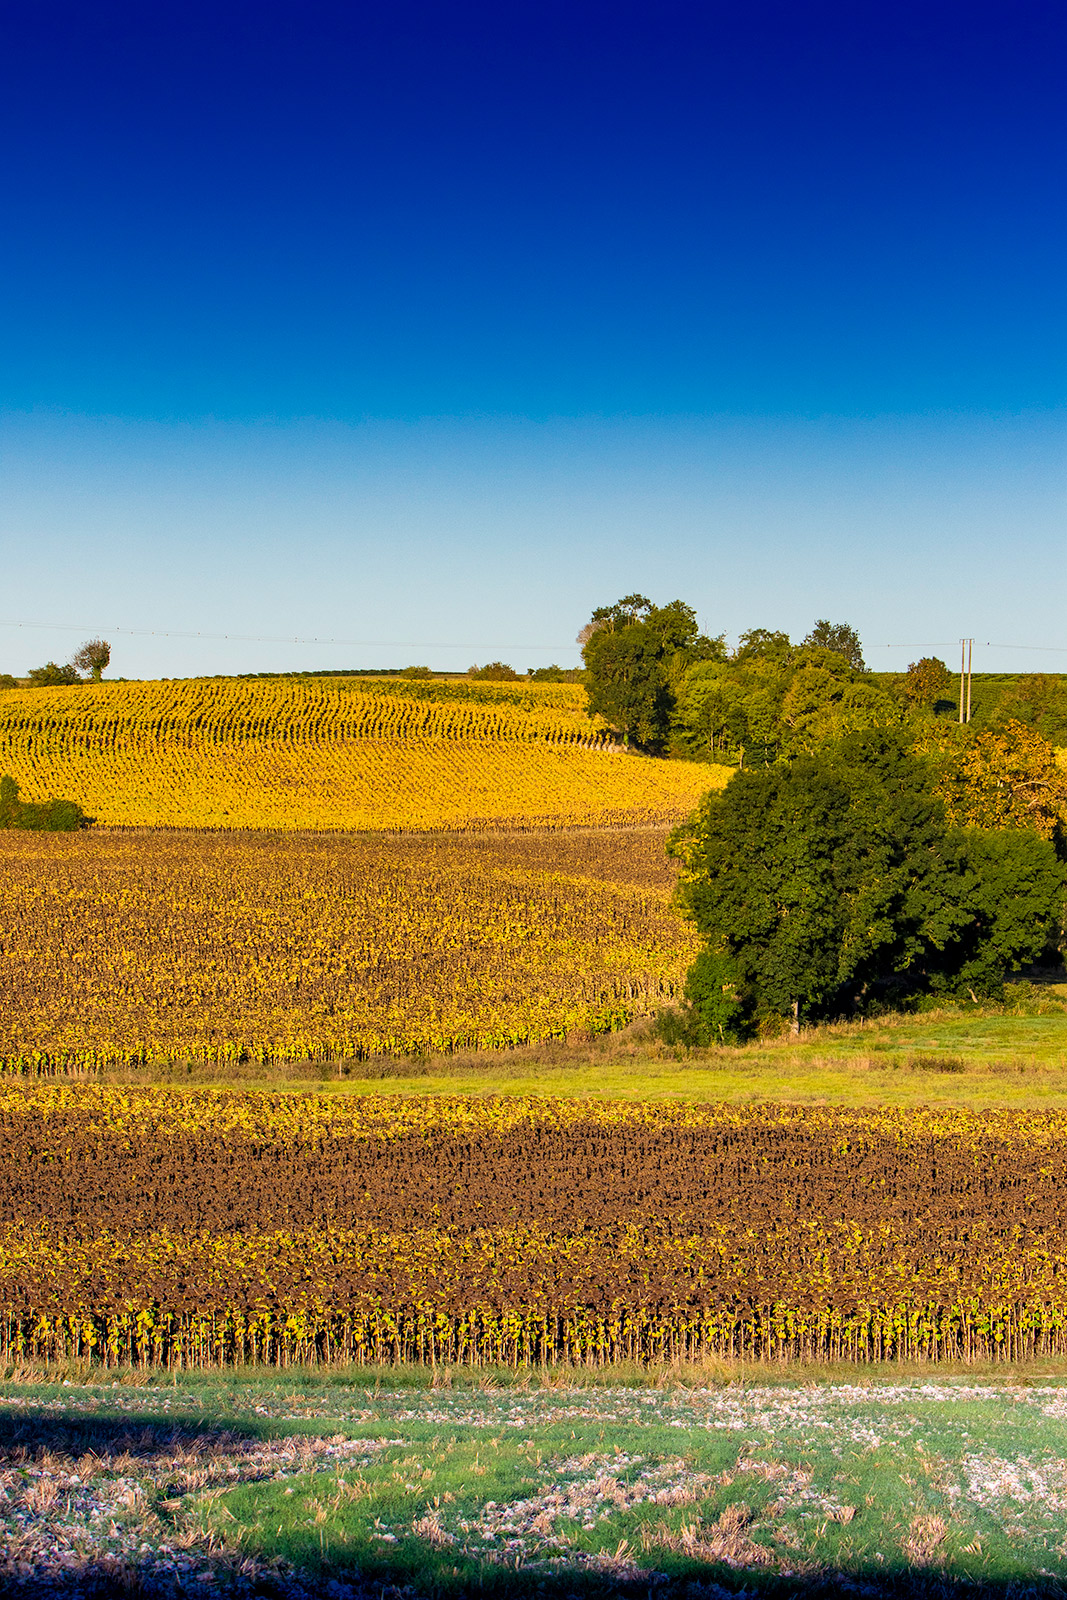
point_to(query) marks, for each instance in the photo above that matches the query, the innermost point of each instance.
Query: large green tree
(824, 883)
(636, 655)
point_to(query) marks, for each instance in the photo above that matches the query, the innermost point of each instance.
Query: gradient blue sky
(430, 327)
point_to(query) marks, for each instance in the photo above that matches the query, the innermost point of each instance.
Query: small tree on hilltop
(928, 681)
(92, 658)
(841, 638)
(52, 675)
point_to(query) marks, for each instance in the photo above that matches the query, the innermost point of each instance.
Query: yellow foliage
(129, 948)
(1007, 777)
(362, 754)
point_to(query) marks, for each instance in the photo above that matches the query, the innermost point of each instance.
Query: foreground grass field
(972, 1056)
(413, 1483)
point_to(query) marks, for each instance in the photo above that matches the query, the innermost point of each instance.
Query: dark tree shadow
(27, 1435)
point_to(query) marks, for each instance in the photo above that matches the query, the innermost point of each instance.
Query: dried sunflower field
(150, 947)
(196, 1227)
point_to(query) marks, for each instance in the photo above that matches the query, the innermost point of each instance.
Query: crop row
(190, 711)
(522, 1296)
(678, 1177)
(126, 948)
(186, 1228)
(50, 1115)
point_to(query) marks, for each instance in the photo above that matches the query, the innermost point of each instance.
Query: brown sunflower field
(195, 1227)
(131, 948)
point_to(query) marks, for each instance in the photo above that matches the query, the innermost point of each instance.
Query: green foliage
(772, 695)
(928, 683)
(7, 681)
(554, 674)
(832, 882)
(668, 689)
(839, 637)
(762, 644)
(1009, 888)
(495, 672)
(636, 657)
(51, 675)
(714, 1011)
(1040, 701)
(627, 684)
(47, 816)
(416, 672)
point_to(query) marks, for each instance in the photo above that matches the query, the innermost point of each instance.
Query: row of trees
(667, 687)
(870, 849)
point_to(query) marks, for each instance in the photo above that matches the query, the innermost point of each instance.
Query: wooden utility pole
(966, 653)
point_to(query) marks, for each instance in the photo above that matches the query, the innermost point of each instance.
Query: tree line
(870, 850)
(90, 658)
(671, 690)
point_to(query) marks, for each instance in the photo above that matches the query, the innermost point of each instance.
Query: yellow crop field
(361, 754)
(216, 948)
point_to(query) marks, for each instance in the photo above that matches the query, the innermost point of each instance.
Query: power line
(986, 644)
(266, 638)
(431, 644)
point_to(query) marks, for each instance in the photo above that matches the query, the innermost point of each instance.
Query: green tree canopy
(42, 816)
(839, 637)
(829, 881)
(51, 675)
(771, 696)
(636, 655)
(495, 672)
(927, 682)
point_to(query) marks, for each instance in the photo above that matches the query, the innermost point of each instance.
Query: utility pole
(966, 651)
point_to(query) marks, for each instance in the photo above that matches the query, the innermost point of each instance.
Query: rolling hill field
(352, 754)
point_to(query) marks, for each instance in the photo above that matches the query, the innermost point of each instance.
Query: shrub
(51, 675)
(495, 672)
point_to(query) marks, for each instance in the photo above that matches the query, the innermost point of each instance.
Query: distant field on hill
(352, 754)
(216, 949)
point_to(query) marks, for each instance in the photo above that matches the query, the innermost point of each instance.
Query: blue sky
(427, 328)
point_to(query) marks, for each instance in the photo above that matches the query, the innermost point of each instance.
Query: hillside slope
(361, 754)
